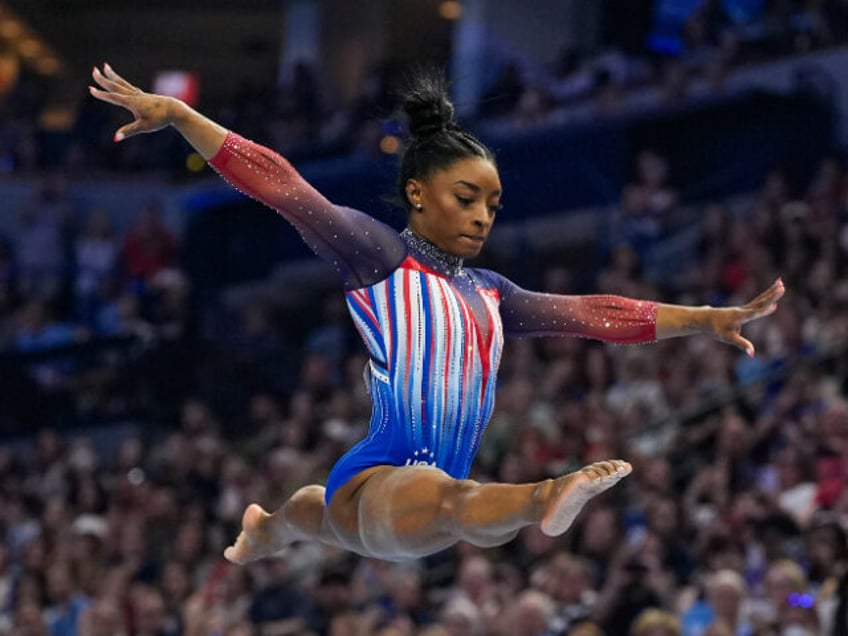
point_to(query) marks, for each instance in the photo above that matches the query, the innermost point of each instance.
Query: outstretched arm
(623, 320)
(361, 248)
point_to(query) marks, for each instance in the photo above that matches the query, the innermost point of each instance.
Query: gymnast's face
(455, 208)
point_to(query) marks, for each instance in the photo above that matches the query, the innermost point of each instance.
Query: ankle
(541, 496)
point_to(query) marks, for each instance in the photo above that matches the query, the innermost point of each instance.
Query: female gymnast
(434, 331)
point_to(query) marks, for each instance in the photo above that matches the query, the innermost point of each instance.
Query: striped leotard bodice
(435, 342)
(433, 328)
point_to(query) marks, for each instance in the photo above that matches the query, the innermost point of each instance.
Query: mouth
(479, 240)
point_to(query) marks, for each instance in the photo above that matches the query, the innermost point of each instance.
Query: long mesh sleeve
(362, 249)
(613, 319)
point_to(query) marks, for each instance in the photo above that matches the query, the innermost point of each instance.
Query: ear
(413, 193)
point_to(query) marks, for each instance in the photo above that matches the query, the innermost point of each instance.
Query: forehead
(475, 170)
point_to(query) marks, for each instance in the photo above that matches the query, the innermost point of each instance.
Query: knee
(306, 497)
(310, 493)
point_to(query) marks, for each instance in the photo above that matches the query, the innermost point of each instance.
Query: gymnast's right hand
(151, 112)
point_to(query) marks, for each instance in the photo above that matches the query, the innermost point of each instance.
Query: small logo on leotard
(423, 457)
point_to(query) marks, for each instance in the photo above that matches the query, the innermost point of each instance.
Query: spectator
(278, 600)
(149, 246)
(40, 242)
(725, 595)
(407, 596)
(568, 581)
(148, 612)
(96, 256)
(654, 622)
(67, 605)
(475, 585)
(784, 578)
(102, 618)
(529, 613)
(329, 596)
(795, 488)
(461, 617)
(625, 592)
(647, 202)
(585, 628)
(28, 621)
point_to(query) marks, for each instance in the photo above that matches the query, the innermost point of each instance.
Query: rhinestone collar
(434, 257)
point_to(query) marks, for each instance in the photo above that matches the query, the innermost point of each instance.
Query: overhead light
(389, 144)
(48, 65)
(56, 118)
(9, 69)
(183, 85)
(450, 9)
(29, 48)
(195, 162)
(10, 28)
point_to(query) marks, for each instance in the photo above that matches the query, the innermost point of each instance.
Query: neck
(432, 255)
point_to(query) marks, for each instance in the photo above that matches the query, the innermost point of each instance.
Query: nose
(483, 216)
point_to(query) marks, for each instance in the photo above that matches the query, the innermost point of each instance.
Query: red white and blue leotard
(433, 328)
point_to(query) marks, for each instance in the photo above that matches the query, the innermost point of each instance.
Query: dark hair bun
(426, 105)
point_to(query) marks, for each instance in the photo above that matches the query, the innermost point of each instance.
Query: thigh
(398, 512)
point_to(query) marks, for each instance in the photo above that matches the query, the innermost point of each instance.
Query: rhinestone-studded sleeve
(362, 249)
(612, 319)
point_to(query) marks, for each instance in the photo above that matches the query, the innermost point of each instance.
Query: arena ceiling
(225, 40)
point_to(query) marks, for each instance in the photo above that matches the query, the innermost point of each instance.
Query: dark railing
(27, 404)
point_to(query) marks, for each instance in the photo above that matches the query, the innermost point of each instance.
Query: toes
(229, 554)
(619, 469)
(611, 468)
(622, 466)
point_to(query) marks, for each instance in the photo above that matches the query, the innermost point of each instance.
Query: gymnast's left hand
(725, 323)
(151, 112)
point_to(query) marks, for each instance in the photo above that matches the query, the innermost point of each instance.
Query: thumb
(741, 343)
(126, 131)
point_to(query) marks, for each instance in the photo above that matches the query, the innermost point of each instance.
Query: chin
(464, 250)
(469, 252)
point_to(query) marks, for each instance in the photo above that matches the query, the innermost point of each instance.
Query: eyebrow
(474, 186)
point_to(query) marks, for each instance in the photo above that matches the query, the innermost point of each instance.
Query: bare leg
(302, 517)
(411, 511)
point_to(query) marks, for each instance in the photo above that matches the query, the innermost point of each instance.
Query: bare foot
(571, 492)
(254, 541)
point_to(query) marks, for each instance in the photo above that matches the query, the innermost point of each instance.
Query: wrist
(703, 319)
(178, 112)
(202, 133)
(677, 320)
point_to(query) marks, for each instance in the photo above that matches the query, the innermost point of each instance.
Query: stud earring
(418, 206)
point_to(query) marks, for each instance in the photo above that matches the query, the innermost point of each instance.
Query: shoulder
(488, 278)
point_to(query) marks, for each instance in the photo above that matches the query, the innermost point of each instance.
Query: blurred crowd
(733, 522)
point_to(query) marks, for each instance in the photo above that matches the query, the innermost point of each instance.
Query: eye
(493, 209)
(464, 201)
